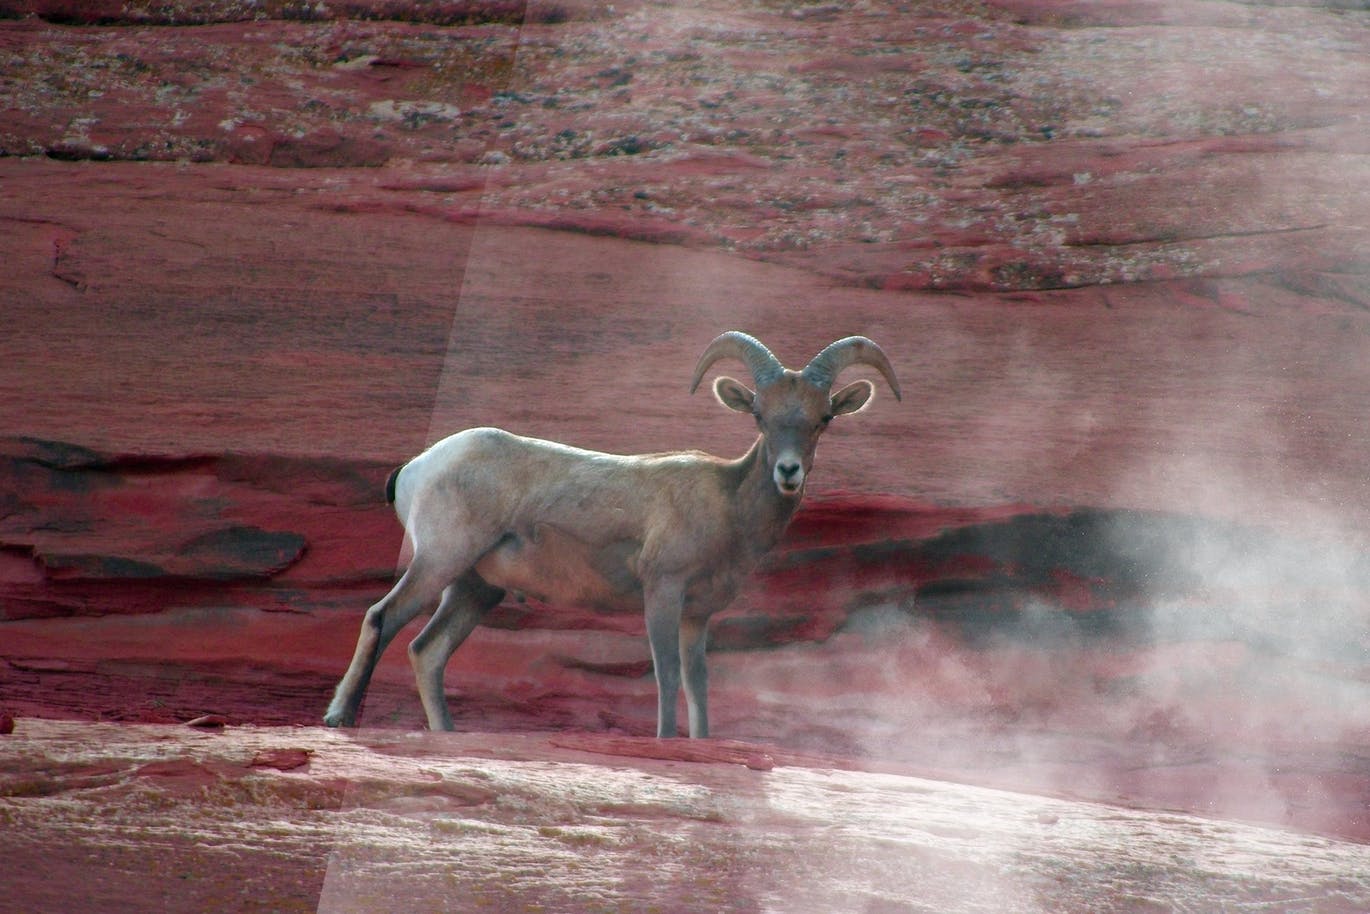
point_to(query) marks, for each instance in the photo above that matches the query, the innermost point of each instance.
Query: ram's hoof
(338, 719)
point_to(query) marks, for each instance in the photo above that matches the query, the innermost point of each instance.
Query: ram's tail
(390, 483)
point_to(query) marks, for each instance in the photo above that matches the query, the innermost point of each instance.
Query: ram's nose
(789, 476)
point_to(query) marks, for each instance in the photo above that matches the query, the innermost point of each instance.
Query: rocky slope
(175, 819)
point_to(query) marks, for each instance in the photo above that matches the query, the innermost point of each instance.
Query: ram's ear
(734, 395)
(852, 398)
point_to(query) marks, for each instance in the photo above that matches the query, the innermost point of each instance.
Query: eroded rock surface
(123, 818)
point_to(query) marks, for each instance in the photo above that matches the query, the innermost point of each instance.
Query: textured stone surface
(1009, 146)
(127, 818)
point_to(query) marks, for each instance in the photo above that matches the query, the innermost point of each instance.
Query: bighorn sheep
(670, 534)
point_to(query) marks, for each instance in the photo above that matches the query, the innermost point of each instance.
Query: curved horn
(765, 368)
(853, 350)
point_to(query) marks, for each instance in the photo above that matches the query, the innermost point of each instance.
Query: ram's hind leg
(464, 603)
(417, 590)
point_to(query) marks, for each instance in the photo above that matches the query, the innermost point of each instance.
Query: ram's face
(792, 415)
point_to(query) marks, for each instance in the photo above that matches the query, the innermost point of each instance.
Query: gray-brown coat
(673, 534)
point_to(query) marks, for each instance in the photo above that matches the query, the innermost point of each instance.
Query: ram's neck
(762, 511)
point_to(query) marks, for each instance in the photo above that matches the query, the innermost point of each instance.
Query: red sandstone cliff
(1115, 537)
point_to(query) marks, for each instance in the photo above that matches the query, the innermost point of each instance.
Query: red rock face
(1114, 537)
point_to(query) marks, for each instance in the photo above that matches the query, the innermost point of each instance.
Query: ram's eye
(826, 419)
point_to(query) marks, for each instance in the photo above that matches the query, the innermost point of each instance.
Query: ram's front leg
(663, 608)
(693, 641)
